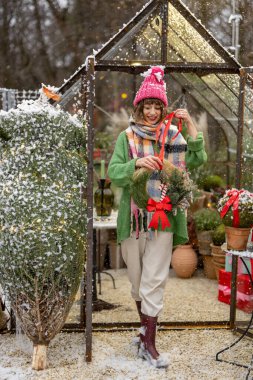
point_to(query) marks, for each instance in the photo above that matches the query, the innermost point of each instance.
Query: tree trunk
(3, 319)
(39, 357)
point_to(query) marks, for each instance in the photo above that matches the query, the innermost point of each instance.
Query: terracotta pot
(237, 238)
(219, 256)
(184, 261)
(209, 269)
(217, 267)
(198, 203)
(204, 241)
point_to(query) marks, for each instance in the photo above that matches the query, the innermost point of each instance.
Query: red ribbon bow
(159, 208)
(233, 201)
(168, 118)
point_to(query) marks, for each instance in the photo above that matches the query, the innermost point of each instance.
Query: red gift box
(244, 293)
(224, 286)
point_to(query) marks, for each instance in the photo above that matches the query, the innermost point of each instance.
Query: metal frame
(97, 63)
(244, 73)
(90, 92)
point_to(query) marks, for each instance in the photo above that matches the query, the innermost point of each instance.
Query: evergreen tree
(43, 218)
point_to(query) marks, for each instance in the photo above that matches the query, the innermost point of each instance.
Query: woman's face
(152, 113)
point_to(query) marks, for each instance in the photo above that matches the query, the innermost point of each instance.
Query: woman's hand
(183, 114)
(149, 162)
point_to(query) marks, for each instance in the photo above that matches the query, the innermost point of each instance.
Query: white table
(103, 223)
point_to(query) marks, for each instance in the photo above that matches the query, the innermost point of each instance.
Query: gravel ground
(191, 353)
(193, 299)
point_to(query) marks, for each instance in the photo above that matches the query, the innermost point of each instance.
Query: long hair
(138, 110)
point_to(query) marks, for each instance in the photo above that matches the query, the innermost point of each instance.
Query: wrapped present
(241, 267)
(224, 286)
(244, 293)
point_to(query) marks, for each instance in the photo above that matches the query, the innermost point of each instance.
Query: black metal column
(164, 39)
(89, 263)
(243, 77)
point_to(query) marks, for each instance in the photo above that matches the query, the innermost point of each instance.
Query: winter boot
(147, 348)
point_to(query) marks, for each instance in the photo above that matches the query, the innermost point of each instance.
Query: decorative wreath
(170, 181)
(161, 191)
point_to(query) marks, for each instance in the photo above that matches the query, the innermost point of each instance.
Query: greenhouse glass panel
(212, 97)
(221, 140)
(247, 148)
(183, 37)
(178, 50)
(227, 94)
(141, 43)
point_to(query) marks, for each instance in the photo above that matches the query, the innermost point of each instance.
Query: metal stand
(97, 304)
(103, 271)
(233, 290)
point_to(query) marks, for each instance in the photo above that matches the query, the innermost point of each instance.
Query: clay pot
(237, 238)
(219, 258)
(209, 269)
(217, 267)
(204, 241)
(184, 261)
(198, 203)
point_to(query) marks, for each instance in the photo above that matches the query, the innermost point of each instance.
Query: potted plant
(236, 210)
(213, 188)
(218, 238)
(206, 220)
(198, 200)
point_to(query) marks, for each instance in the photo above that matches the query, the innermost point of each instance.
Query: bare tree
(44, 41)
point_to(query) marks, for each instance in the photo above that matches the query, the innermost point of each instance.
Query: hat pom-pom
(158, 72)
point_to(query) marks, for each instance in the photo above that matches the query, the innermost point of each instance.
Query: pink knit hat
(153, 86)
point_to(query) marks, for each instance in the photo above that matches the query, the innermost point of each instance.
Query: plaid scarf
(141, 139)
(142, 142)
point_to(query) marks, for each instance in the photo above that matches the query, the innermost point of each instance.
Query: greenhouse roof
(165, 32)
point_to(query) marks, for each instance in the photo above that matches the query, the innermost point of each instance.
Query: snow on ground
(191, 352)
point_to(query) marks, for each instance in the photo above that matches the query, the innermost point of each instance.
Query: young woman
(148, 259)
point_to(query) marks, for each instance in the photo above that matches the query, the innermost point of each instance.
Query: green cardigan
(121, 170)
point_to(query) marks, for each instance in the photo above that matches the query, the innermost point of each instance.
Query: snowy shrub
(42, 218)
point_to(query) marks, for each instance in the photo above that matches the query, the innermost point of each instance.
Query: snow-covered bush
(42, 217)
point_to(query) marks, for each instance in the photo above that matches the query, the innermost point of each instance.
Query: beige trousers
(148, 264)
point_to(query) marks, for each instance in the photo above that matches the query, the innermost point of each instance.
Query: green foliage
(211, 182)
(138, 188)
(43, 219)
(218, 235)
(103, 140)
(206, 219)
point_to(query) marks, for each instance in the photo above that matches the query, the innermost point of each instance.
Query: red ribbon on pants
(159, 208)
